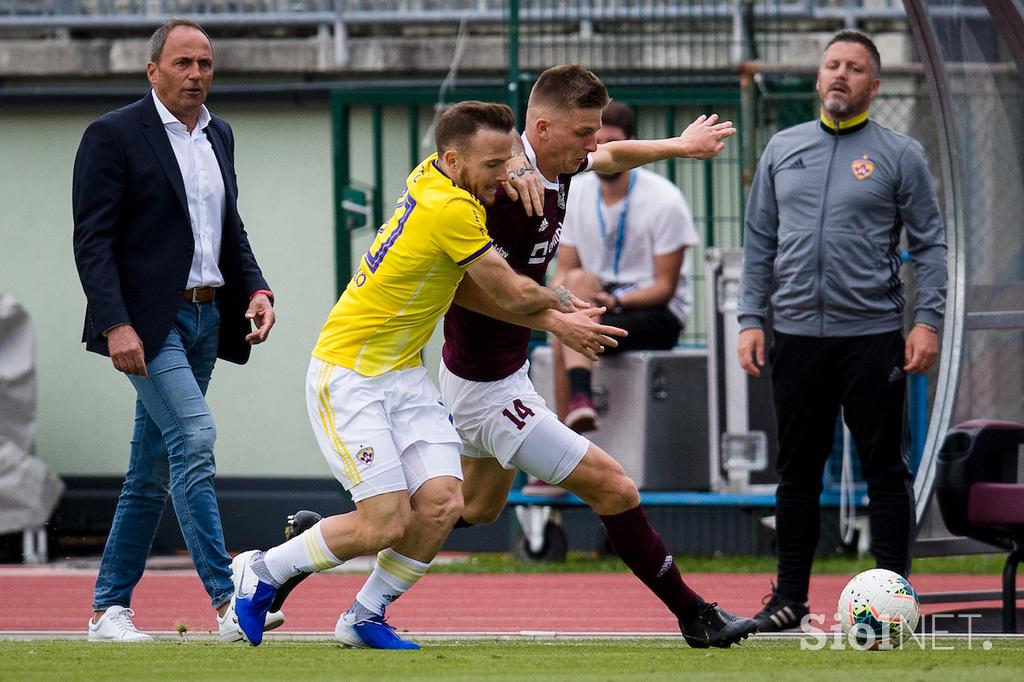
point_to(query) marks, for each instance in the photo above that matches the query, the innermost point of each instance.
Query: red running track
(48, 599)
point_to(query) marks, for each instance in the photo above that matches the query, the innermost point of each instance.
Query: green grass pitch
(614, 660)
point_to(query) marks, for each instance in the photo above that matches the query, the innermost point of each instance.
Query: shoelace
(767, 599)
(708, 611)
(122, 620)
(381, 620)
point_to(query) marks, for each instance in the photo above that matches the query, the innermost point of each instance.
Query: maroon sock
(642, 549)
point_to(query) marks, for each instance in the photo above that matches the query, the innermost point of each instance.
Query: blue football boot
(252, 599)
(369, 633)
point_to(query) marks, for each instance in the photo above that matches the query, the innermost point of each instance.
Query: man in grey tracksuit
(824, 219)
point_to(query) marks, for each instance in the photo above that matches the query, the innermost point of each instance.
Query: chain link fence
(990, 107)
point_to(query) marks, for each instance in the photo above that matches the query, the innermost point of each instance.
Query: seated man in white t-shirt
(623, 246)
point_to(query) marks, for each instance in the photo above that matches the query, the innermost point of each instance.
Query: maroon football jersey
(480, 348)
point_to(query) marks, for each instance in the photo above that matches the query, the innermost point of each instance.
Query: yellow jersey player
(504, 424)
(377, 416)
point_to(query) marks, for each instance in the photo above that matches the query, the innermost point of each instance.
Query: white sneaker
(115, 625)
(229, 630)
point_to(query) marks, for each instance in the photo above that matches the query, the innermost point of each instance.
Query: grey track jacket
(822, 229)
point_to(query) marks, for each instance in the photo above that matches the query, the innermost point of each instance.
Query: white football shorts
(381, 434)
(509, 421)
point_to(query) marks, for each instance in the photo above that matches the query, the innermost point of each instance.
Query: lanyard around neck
(620, 237)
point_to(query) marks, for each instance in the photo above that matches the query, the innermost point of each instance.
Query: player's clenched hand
(751, 351)
(584, 334)
(523, 183)
(126, 352)
(261, 312)
(705, 137)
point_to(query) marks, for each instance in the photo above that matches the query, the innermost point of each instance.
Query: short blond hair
(569, 86)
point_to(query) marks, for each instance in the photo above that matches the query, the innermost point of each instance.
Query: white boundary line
(522, 635)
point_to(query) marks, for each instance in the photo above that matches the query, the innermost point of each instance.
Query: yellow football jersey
(407, 279)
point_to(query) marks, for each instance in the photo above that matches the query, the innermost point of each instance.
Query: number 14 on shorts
(522, 412)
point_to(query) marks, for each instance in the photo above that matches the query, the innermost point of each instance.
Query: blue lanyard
(620, 237)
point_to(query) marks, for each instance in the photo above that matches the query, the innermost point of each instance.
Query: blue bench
(829, 498)
(543, 536)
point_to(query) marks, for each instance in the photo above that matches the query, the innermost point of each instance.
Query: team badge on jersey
(365, 455)
(562, 191)
(862, 168)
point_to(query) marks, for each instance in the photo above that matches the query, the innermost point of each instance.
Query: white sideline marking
(522, 635)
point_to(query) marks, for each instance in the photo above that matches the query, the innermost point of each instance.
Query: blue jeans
(172, 450)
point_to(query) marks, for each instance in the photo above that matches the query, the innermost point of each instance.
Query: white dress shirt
(204, 190)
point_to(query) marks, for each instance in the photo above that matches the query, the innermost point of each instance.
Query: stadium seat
(980, 495)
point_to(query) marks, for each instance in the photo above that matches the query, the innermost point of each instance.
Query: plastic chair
(980, 496)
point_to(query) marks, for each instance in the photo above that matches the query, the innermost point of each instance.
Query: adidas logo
(796, 165)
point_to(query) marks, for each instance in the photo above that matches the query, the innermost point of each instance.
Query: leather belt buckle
(199, 294)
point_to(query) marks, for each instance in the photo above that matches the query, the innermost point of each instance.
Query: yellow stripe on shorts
(390, 565)
(348, 464)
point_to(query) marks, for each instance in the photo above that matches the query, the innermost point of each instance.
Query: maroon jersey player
(504, 424)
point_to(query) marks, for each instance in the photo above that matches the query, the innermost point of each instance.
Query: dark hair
(159, 37)
(619, 115)
(569, 86)
(459, 123)
(851, 36)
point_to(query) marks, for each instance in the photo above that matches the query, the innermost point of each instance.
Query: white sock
(392, 576)
(305, 553)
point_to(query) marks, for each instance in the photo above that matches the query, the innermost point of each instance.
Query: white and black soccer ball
(879, 609)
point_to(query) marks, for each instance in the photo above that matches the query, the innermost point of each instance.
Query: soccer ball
(878, 609)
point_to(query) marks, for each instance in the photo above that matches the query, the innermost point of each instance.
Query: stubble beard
(837, 107)
(484, 197)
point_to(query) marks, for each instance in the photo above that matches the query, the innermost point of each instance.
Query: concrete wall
(85, 407)
(433, 52)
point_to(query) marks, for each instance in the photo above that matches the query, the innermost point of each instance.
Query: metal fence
(670, 59)
(69, 12)
(715, 190)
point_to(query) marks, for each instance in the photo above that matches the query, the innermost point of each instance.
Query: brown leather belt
(199, 294)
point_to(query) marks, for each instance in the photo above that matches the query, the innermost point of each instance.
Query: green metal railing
(353, 210)
(713, 188)
(697, 74)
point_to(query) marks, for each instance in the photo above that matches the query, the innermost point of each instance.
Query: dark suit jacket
(133, 239)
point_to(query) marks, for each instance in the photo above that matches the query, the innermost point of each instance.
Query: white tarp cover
(28, 490)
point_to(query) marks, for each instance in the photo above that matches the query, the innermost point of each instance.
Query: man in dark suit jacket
(171, 284)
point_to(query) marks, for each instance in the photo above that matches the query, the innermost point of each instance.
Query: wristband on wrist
(268, 292)
(930, 327)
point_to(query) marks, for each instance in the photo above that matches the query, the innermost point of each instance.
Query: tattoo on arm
(564, 296)
(518, 173)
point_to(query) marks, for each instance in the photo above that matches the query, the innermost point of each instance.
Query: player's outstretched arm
(702, 139)
(516, 293)
(578, 331)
